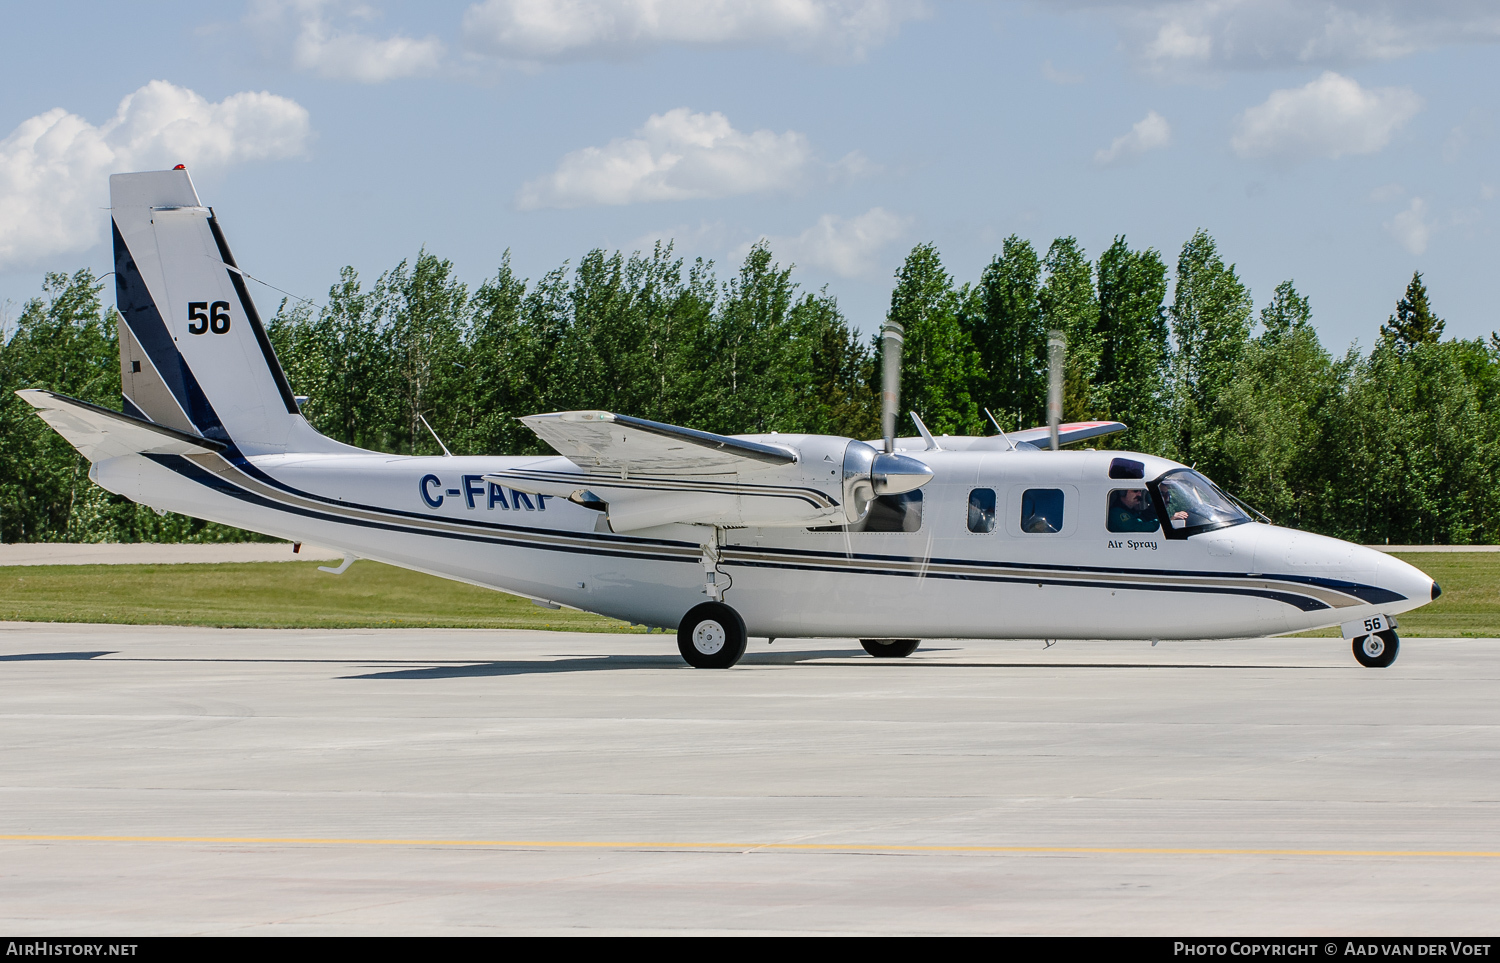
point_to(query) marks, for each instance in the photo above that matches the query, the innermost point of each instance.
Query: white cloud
(54, 167)
(1386, 193)
(1065, 77)
(326, 45)
(359, 57)
(556, 30)
(847, 247)
(1175, 36)
(676, 156)
(1151, 132)
(1411, 227)
(1329, 117)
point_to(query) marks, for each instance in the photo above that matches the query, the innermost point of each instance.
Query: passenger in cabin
(1042, 511)
(1130, 510)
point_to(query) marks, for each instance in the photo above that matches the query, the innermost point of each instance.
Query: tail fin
(194, 355)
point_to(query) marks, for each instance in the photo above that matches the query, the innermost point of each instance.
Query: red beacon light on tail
(180, 167)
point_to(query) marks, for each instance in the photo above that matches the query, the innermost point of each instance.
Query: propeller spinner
(868, 472)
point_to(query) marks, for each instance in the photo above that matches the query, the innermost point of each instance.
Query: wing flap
(99, 433)
(603, 441)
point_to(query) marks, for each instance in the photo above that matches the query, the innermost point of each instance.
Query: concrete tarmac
(201, 781)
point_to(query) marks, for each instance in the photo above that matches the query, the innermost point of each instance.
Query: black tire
(890, 648)
(711, 636)
(1378, 650)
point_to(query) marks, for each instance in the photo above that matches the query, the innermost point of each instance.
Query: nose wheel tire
(890, 648)
(1377, 650)
(711, 636)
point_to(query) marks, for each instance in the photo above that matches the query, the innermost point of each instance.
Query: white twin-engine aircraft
(720, 537)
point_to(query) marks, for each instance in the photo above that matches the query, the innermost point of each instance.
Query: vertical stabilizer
(193, 353)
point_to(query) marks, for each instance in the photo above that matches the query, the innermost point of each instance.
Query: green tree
(62, 342)
(1134, 349)
(1004, 321)
(421, 308)
(1211, 322)
(1069, 305)
(1413, 323)
(940, 366)
(1418, 459)
(1276, 451)
(502, 374)
(338, 360)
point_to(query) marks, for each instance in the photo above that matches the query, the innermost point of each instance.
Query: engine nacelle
(869, 472)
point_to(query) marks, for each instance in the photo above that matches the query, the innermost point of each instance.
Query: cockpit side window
(1131, 510)
(982, 510)
(1042, 511)
(1193, 504)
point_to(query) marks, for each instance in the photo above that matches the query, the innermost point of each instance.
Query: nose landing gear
(1378, 649)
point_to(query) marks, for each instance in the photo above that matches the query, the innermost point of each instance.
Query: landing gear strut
(711, 636)
(1378, 649)
(890, 648)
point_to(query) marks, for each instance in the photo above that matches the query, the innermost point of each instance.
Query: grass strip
(275, 595)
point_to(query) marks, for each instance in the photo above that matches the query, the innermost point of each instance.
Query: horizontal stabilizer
(600, 440)
(100, 434)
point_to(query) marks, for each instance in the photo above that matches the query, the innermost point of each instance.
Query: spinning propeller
(868, 472)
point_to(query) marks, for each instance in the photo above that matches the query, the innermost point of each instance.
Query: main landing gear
(1378, 649)
(711, 636)
(890, 648)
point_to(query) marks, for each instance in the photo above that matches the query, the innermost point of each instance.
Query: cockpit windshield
(1194, 504)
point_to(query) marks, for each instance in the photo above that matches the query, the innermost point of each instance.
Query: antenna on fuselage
(446, 452)
(1057, 345)
(996, 422)
(890, 395)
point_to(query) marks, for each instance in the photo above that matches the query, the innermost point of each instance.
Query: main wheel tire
(1377, 650)
(890, 648)
(711, 636)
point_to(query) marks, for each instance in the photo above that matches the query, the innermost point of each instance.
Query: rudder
(194, 355)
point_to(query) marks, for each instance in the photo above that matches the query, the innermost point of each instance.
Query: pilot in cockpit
(1130, 510)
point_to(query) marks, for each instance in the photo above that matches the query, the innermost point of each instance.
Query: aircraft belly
(811, 603)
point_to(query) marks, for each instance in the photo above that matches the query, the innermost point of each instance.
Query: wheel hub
(1374, 646)
(709, 637)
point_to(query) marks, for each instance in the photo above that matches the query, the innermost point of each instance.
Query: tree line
(1396, 444)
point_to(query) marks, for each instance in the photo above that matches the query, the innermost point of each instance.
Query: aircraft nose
(1436, 591)
(1408, 580)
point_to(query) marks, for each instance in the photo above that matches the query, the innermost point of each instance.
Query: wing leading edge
(603, 441)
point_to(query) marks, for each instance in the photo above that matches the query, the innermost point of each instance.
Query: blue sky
(1342, 144)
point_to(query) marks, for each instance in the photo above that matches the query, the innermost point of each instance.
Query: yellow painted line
(747, 847)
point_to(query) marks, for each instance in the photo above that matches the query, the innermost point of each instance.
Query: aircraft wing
(99, 433)
(600, 441)
(1067, 434)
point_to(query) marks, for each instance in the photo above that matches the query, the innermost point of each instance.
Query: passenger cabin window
(1042, 511)
(887, 513)
(982, 510)
(1130, 510)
